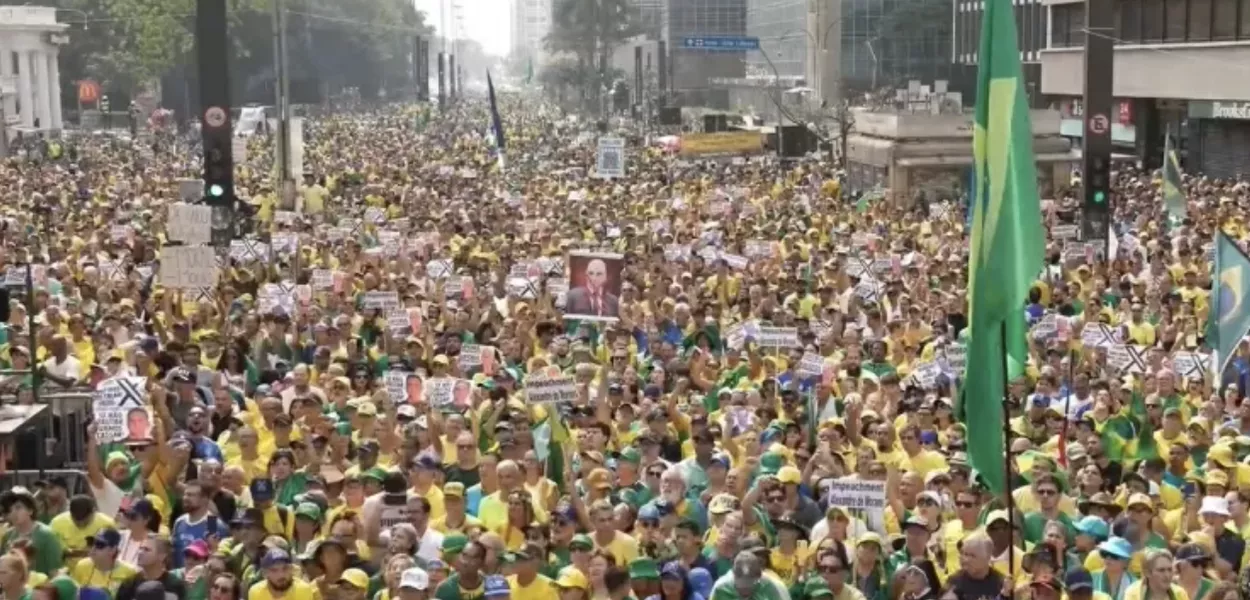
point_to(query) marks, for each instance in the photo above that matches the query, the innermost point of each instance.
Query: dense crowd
(297, 448)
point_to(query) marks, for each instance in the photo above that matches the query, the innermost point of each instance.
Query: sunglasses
(655, 473)
(830, 568)
(772, 499)
(965, 504)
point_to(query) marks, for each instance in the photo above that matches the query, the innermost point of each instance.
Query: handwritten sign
(188, 267)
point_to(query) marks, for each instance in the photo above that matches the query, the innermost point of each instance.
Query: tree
(590, 30)
(127, 45)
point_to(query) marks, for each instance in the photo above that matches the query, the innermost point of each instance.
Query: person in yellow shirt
(525, 581)
(102, 569)
(353, 584)
(77, 527)
(622, 546)
(280, 582)
(454, 519)
(922, 461)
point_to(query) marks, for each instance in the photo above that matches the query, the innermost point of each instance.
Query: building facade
(1031, 19)
(878, 43)
(1181, 67)
(693, 70)
(531, 22)
(30, 76)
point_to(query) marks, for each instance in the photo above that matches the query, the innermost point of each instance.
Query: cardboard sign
(549, 388)
(1100, 335)
(188, 267)
(811, 365)
(121, 412)
(779, 337)
(384, 301)
(190, 223)
(856, 494)
(1127, 358)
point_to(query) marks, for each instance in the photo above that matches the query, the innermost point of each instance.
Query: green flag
(1007, 239)
(1173, 194)
(1229, 320)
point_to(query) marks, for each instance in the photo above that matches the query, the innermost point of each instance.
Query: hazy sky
(484, 20)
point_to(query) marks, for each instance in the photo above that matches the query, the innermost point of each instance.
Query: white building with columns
(30, 88)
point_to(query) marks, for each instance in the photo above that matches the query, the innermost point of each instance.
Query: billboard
(710, 144)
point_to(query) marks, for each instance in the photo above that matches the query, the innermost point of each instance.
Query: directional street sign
(724, 43)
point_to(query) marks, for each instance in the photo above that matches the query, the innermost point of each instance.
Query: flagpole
(1007, 460)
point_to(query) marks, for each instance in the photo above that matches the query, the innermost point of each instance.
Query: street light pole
(281, 91)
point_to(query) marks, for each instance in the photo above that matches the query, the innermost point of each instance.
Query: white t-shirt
(431, 545)
(108, 499)
(67, 369)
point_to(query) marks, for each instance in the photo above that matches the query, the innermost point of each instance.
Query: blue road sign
(723, 43)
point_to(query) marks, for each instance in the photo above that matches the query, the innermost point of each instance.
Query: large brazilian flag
(1229, 320)
(1007, 240)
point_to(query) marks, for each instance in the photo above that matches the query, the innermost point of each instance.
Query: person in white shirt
(61, 367)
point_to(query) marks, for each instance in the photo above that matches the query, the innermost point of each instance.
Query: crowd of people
(776, 428)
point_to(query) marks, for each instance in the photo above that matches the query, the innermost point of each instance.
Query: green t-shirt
(49, 556)
(1035, 526)
(451, 590)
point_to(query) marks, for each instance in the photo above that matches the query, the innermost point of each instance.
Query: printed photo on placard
(594, 286)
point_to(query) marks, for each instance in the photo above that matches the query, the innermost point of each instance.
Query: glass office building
(886, 42)
(692, 70)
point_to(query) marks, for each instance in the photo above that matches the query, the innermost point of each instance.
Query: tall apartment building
(531, 22)
(693, 70)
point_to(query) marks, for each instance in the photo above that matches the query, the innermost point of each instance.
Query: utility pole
(1096, 141)
(442, 81)
(451, 71)
(281, 85)
(212, 54)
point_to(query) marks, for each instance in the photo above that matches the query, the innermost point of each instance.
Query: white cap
(1214, 505)
(414, 579)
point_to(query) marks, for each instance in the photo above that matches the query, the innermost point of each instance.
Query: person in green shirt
(1048, 494)
(468, 582)
(193, 571)
(19, 504)
(877, 364)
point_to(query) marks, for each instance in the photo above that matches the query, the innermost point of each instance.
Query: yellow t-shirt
(623, 548)
(299, 590)
(789, 566)
(440, 525)
(74, 538)
(1137, 591)
(927, 461)
(85, 574)
(540, 589)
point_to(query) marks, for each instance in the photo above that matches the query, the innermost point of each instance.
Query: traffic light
(1097, 205)
(213, 51)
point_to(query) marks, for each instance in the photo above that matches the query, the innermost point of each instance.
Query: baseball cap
(107, 538)
(1078, 579)
(599, 479)
(582, 542)
(788, 474)
(723, 504)
(496, 587)
(1093, 526)
(454, 489)
(262, 490)
(414, 579)
(572, 578)
(198, 550)
(274, 557)
(357, 578)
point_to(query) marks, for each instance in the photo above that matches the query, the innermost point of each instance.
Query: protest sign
(322, 279)
(439, 269)
(190, 223)
(548, 388)
(525, 288)
(120, 412)
(438, 391)
(856, 494)
(677, 253)
(758, 249)
(926, 374)
(811, 365)
(610, 160)
(188, 267)
(1191, 365)
(956, 357)
(735, 261)
(1127, 358)
(1099, 335)
(594, 286)
(778, 337)
(396, 385)
(381, 300)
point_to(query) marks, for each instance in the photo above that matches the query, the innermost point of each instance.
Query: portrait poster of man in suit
(594, 286)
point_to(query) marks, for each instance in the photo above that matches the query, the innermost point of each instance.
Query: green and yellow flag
(1229, 320)
(1173, 193)
(1007, 239)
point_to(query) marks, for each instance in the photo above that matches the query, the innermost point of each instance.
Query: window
(1059, 28)
(1152, 21)
(1243, 33)
(1174, 24)
(1224, 22)
(1130, 21)
(1200, 20)
(1076, 24)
